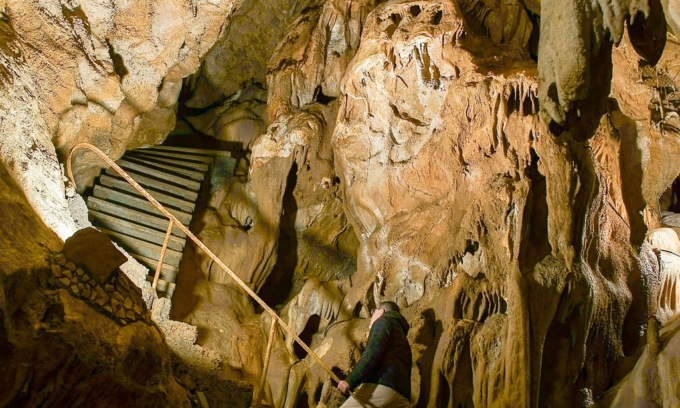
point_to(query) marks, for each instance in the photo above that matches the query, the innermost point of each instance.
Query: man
(384, 369)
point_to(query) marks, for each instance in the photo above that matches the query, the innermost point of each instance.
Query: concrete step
(166, 200)
(144, 181)
(116, 210)
(141, 204)
(136, 230)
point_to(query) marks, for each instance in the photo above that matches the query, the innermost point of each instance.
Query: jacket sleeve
(378, 340)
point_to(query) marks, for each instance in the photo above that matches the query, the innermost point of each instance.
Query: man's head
(380, 311)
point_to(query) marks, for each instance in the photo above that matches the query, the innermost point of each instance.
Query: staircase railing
(174, 222)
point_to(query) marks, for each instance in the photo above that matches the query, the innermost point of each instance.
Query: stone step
(166, 200)
(181, 192)
(116, 210)
(143, 248)
(130, 228)
(165, 176)
(142, 204)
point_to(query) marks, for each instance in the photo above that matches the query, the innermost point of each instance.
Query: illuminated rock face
(108, 73)
(459, 192)
(401, 155)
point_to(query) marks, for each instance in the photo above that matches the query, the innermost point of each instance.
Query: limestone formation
(109, 74)
(575, 72)
(506, 171)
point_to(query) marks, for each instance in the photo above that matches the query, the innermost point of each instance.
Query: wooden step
(130, 228)
(178, 156)
(173, 176)
(196, 165)
(167, 288)
(168, 272)
(166, 200)
(144, 248)
(157, 184)
(142, 204)
(171, 169)
(158, 174)
(206, 152)
(119, 211)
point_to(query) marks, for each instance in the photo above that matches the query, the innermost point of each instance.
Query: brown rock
(79, 272)
(68, 273)
(127, 303)
(56, 270)
(70, 266)
(75, 289)
(102, 297)
(120, 313)
(115, 304)
(138, 309)
(60, 259)
(95, 252)
(86, 292)
(65, 281)
(130, 315)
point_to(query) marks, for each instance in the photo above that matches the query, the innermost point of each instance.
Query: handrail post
(270, 342)
(157, 275)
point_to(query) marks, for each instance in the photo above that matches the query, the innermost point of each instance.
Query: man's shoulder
(395, 320)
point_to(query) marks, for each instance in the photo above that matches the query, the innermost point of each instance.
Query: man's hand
(343, 386)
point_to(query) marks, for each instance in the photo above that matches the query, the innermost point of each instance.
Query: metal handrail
(199, 244)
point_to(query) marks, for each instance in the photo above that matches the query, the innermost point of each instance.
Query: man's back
(387, 358)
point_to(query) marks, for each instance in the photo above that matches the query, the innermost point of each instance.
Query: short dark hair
(389, 306)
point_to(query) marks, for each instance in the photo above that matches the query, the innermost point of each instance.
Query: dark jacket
(387, 358)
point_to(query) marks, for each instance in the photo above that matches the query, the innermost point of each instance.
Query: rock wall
(411, 151)
(104, 73)
(68, 339)
(517, 251)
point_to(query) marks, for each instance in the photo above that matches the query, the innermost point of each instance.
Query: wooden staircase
(172, 175)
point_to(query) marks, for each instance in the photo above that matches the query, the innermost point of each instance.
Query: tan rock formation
(574, 73)
(108, 74)
(401, 157)
(653, 380)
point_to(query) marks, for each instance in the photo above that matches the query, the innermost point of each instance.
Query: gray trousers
(369, 395)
